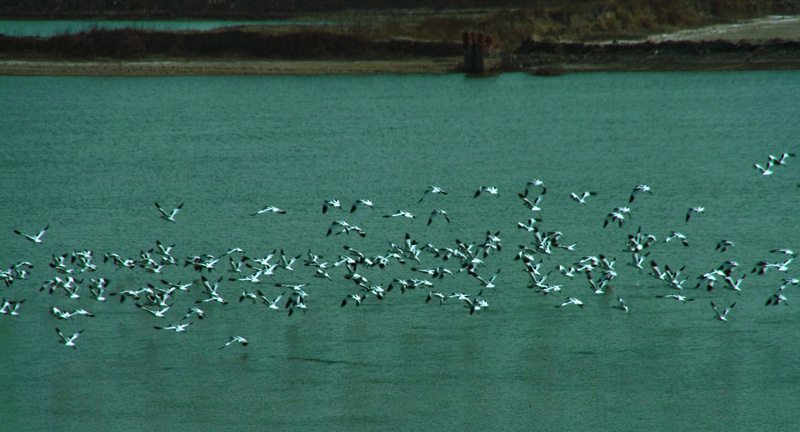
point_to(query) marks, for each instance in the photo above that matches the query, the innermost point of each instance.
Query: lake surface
(47, 28)
(88, 157)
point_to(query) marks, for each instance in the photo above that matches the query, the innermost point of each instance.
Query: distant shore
(772, 43)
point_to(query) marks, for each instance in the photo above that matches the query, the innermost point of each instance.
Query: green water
(58, 27)
(90, 156)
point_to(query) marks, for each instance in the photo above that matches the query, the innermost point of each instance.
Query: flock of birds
(259, 280)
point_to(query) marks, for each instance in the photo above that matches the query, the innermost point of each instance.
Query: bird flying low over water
(638, 189)
(694, 210)
(438, 212)
(269, 209)
(722, 316)
(488, 189)
(780, 160)
(68, 341)
(170, 216)
(361, 202)
(330, 203)
(432, 190)
(37, 238)
(177, 327)
(582, 198)
(235, 339)
(571, 300)
(764, 170)
(401, 213)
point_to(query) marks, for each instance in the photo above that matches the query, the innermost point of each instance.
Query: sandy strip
(220, 67)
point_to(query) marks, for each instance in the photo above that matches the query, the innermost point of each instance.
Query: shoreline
(223, 67)
(134, 69)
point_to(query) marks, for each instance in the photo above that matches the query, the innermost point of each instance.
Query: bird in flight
(170, 216)
(235, 339)
(269, 209)
(68, 341)
(37, 238)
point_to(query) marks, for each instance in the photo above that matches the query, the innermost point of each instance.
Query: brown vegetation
(530, 35)
(139, 44)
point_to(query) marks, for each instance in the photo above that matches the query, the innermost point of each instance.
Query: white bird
(571, 300)
(361, 202)
(678, 297)
(330, 203)
(487, 283)
(37, 238)
(197, 311)
(357, 298)
(679, 236)
(722, 316)
(402, 213)
(438, 295)
(532, 205)
(694, 210)
(488, 189)
(780, 160)
(638, 189)
(535, 182)
(177, 327)
(764, 170)
(269, 209)
(68, 341)
(438, 212)
(155, 313)
(235, 339)
(582, 198)
(272, 304)
(10, 307)
(432, 190)
(776, 299)
(614, 217)
(171, 215)
(621, 306)
(723, 245)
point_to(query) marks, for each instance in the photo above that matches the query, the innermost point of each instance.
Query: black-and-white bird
(432, 190)
(330, 203)
(155, 313)
(723, 245)
(621, 306)
(722, 316)
(68, 341)
(488, 189)
(177, 327)
(359, 203)
(776, 299)
(269, 209)
(402, 213)
(764, 170)
(437, 212)
(679, 236)
(639, 189)
(694, 210)
(170, 216)
(569, 301)
(34, 238)
(235, 339)
(780, 160)
(582, 197)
